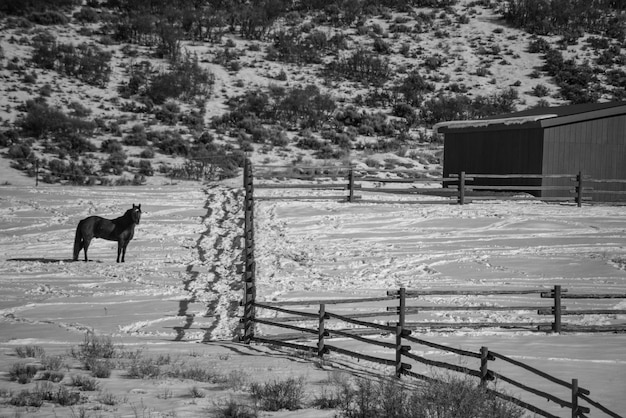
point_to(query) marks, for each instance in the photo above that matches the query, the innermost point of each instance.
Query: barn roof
(540, 117)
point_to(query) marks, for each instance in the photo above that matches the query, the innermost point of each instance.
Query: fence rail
(358, 330)
(461, 188)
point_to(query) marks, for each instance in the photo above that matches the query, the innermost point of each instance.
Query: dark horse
(121, 229)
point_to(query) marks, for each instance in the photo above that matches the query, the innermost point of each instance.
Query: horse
(121, 229)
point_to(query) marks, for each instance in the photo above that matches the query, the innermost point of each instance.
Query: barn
(587, 138)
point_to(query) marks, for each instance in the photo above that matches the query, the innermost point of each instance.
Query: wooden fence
(401, 330)
(459, 188)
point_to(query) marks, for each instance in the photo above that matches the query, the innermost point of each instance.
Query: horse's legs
(124, 252)
(85, 245)
(119, 251)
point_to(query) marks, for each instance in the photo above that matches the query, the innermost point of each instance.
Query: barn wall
(596, 147)
(511, 151)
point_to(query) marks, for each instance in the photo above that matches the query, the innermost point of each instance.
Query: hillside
(122, 92)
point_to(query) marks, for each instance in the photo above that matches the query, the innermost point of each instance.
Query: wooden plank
(284, 344)
(362, 323)
(411, 202)
(443, 365)
(441, 347)
(523, 404)
(522, 188)
(522, 176)
(595, 312)
(600, 406)
(412, 190)
(417, 309)
(474, 325)
(594, 296)
(360, 356)
(537, 372)
(357, 337)
(303, 186)
(287, 311)
(418, 293)
(283, 325)
(542, 394)
(327, 301)
(337, 198)
(356, 315)
(404, 180)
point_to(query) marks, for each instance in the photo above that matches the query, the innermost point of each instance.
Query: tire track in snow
(215, 278)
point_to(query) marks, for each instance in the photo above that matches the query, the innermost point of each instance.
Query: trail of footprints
(215, 279)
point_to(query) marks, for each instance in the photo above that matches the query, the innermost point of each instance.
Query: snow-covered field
(329, 250)
(179, 290)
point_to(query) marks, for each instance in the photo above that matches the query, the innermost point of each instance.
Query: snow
(180, 287)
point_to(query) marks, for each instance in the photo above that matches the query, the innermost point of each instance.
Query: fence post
(351, 184)
(575, 398)
(249, 296)
(556, 326)
(484, 365)
(321, 330)
(402, 306)
(462, 188)
(579, 189)
(36, 172)
(400, 330)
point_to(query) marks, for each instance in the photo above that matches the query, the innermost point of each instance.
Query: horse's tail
(78, 241)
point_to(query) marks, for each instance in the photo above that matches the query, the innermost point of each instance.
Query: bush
(87, 15)
(361, 66)
(41, 120)
(85, 383)
(274, 396)
(111, 145)
(115, 163)
(48, 17)
(29, 351)
(145, 168)
(19, 151)
(453, 397)
(22, 373)
(186, 80)
(87, 62)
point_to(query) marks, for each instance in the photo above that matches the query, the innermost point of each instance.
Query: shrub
(111, 145)
(87, 14)
(144, 368)
(41, 120)
(85, 383)
(171, 143)
(52, 363)
(22, 373)
(26, 398)
(276, 395)
(115, 163)
(361, 66)
(145, 168)
(453, 397)
(48, 17)
(541, 90)
(186, 80)
(24, 351)
(168, 113)
(19, 151)
(147, 153)
(137, 137)
(95, 346)
(87, 62)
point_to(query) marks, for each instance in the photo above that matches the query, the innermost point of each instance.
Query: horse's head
(135, 213)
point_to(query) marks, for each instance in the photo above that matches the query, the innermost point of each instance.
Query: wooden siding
(597, 148)
(495, 152)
